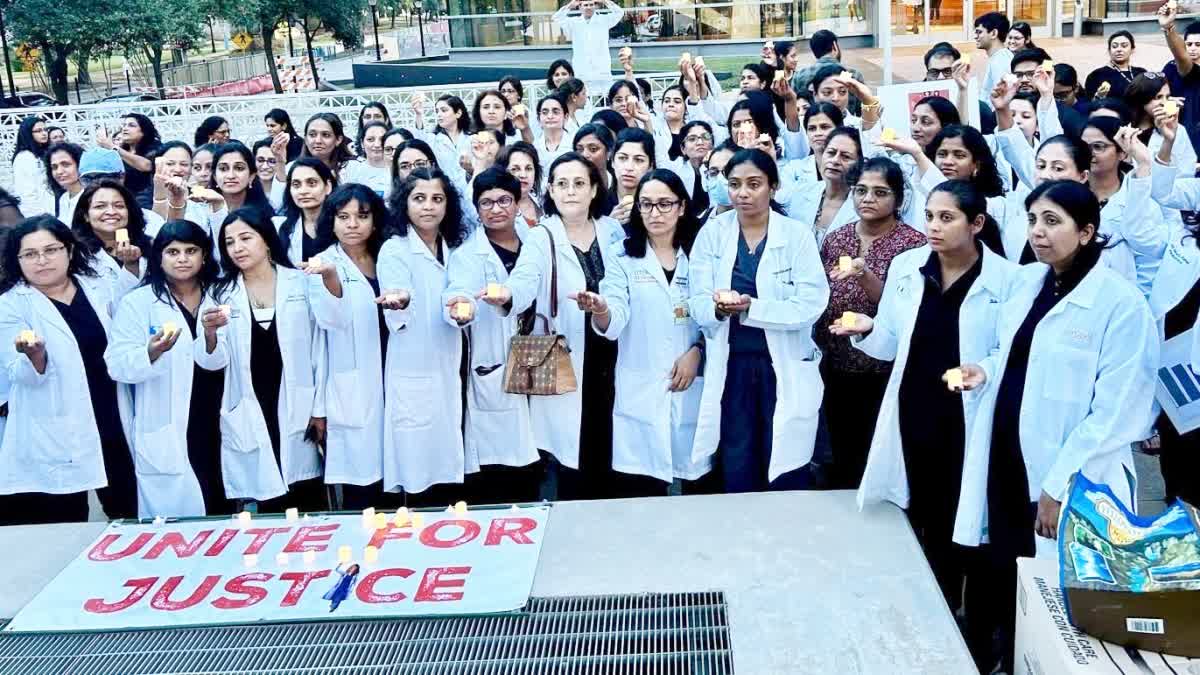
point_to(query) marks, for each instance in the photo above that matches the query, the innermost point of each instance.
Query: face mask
(718, 190)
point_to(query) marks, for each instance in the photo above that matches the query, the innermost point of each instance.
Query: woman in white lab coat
(579, 238)
(62, 175)
(521, 160)
(262, 329)
(825, 205)
(422, 434)
(28, 167)
(939, 308)
(67, 420)
(643, 304)
(309, 182)
(501, 459)
(350, 234)
(104, 209)
(757, 288)
(176, 437)
(633, 157)
(1068, 390)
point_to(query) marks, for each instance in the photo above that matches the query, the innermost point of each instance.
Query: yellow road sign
(242, 40)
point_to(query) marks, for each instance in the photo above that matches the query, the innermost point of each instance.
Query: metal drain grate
(668, 634)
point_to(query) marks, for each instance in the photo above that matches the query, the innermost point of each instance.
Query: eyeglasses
(489, 204)
(267, 160)
(664, 206)
(697, 138)
(861, 192)
(409, 166)
(48, 253)
(939, 73)
(1099, 147)
(1024, 74)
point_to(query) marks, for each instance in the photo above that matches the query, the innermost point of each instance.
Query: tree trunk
(268, 36)
(155, 54)
(82, 76)
(312, 60)
(212, 34)
(56, 68)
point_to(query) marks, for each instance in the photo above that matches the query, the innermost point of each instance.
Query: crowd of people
(760, 292)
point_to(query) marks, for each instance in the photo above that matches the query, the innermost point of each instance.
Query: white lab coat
(295, 245)
(589, 41)
(354, 382)
(29, 185)
(1089, 390)
(422, 433)
(885, 476)
(804, 202)
(653, 427)
(51, 443)
(498, 429)
(248, 463)
(793, 292)
(1179, 266)
(162, 394)
(556, 419)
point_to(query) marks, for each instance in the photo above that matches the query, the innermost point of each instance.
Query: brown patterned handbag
(540, 365)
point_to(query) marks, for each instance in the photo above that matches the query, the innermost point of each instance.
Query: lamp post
(421, 24)
(375, 28)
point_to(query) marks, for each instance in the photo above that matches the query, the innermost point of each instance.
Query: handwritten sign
(899, 100)
(225, 571)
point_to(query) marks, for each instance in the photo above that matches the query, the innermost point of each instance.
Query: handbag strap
(553, 274)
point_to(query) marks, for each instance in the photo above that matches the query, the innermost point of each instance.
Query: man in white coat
(588, 33)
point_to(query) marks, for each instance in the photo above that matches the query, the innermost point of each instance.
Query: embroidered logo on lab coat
(643, 277)
(1080, 337)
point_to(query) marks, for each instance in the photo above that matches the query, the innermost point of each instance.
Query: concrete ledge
(547, 53)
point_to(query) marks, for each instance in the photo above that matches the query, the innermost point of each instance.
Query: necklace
(1126, 75)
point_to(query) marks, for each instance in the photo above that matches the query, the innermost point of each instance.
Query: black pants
(40, 508)
(309, 496)
(359, 497)
(851, 406)
(1179, 460)
(500, 484)
(119, 497)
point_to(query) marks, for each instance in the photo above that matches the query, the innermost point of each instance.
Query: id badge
(682, 314)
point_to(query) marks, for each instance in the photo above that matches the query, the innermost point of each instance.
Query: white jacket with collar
(653, 427)
(1089, 388)
(556, 419)
(422, 437)
(498, 426)
(792, 294)
(51, 443)
(885, 477)
(248, 466)
(353, 382)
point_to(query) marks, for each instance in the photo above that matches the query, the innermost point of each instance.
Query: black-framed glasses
(940, 73)
(45, 254)
(489, 204)
(664, 206)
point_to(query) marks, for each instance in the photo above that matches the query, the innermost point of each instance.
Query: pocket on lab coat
(240, 427)
(641, 396)
(1071, 379)
(412, 401)
(300, 408)
(162, 452)
(487, 392)
(344, 401)
(688, 402)
(55, 440)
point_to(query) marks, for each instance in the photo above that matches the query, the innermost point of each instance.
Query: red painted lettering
(162, 599)
(100, 553)
(388, 533)
(366, 587)
(140, 588)
(435, 580)
(429, 536)
(175, 541)
(310, 538)
(239, 585)
(517, 529)
(222, 541)
(261, 536)
(300, 582)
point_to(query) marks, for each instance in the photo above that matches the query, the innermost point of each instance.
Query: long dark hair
(362, 129)
(150, 136)
(987, 178)
(79, 265)
(763, 162)
(135, 227)
(206, 129)
(1109, 126)
(893, 175)
(558, 63)
(1081, 205)
(456, 104)
(523, 148)
(686, 228)
(341, 154)
(337, 200)
(477, 123)
(1140, 92)
(415, 144)
(596, 208)
(25, 138)
(75, 151)
(453, 228)
(262, 225)
(283, 119)
(973, 204)
(758, 104)
(255, 197)
(292, 213)
(184, 232)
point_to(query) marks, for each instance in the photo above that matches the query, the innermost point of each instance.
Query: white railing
(177, 119)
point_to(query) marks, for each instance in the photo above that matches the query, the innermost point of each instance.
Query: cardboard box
(1047, 644)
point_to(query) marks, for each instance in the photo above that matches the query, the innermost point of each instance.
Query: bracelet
(161, 201)
(596, 314)
(181, 207)
(873, 107)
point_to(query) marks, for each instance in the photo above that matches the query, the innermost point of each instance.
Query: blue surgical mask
(718, 190)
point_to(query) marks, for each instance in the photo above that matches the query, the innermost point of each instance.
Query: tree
(259, 17)
(151, 26)
(344, 20)
(60, 28)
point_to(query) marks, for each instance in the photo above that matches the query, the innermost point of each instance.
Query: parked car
(28, 99)
(129, 98)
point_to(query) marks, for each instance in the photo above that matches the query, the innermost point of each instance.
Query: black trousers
(307, 495)
(40, 508)
(359, 497)
(851, 406)
(119, 497)
(1179, 460)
